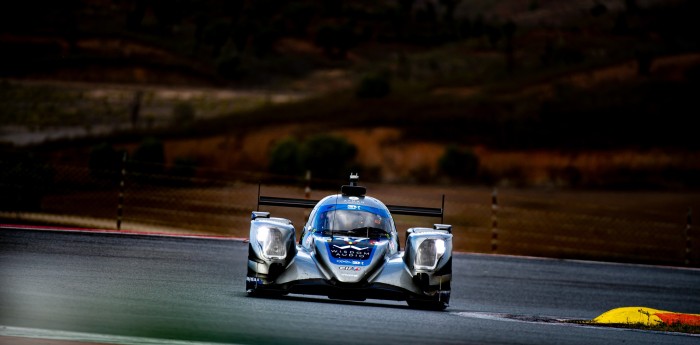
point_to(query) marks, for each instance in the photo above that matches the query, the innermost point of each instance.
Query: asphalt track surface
(148, 289)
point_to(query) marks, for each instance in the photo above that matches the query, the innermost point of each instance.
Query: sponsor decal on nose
(350, 268)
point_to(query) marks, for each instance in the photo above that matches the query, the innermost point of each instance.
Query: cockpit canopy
(349, 217)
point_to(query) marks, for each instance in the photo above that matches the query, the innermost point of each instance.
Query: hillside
(540, 91)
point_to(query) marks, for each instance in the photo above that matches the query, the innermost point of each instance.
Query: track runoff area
(623, 317)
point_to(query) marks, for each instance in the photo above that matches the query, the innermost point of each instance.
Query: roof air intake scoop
(353, 189)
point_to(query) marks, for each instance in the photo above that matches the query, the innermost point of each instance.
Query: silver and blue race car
(349, 249)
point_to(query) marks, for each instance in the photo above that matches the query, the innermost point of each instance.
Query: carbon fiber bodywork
(349, 261)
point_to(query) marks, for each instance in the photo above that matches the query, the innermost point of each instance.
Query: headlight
(272, 242)
(428, 253)
(262, 234)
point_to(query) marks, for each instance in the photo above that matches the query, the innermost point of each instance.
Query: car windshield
(351, 217)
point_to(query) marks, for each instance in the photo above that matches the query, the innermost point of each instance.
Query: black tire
(427, 305)
(265, 293)
(254, 287)
(253, 290)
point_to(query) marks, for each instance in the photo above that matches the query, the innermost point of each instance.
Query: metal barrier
(650, 227)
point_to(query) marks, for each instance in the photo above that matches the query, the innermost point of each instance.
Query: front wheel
(254, 287)
(265, 293)
(427, 305)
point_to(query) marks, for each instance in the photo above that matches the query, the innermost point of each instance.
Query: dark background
(593, 100)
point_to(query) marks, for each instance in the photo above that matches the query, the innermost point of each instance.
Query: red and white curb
(646, 316)
(615, 317)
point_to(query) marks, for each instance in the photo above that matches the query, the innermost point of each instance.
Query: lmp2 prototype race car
(349, 249)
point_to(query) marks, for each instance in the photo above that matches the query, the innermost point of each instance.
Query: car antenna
(354, 177)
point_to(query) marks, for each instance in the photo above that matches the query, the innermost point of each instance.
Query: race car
(349, 249)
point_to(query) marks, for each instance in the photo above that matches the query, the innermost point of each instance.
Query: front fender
(428, 256)
(272, 245)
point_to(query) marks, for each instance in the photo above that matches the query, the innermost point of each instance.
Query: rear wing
(394, 209)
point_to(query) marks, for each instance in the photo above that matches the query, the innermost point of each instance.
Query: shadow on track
(324, 300)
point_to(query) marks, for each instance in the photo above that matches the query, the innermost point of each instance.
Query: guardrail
(649, 227)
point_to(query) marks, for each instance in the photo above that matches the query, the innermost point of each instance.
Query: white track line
(37, 333)
(117, 232)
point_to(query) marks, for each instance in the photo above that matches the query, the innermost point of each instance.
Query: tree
(24, 180)
(509, 31)
(104, 162)
(327, 157)
(217, 34)
(149, 157)
(183, 113)
(459, 163)
(182, 171)
(373, 86)
(284, 157)
(336, 40)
